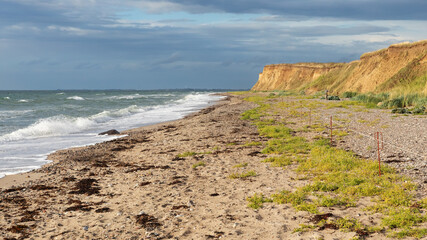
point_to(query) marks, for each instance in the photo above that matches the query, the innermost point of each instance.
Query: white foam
(78, 98)
(128, 97)
(23, 101)
(107, 115)
(27, 148)
(53, 126)
(6, 98)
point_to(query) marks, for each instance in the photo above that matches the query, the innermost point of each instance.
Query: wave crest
(53, 126)
(78, 98)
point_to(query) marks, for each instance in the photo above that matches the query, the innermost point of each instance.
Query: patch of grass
(252, 114)
(282, 160)
(416, 233)
(295, 198)
(187, 154)
(304, 228)
(328, 201)
(348, 94)
(247, 174)
(297, 145)
(257, 200)
(198, 164)
(404, 218)
(339, 133)
(241, 165)
(341, 104)
(250, 144)
(339, 178)
(349, 224)
(231, 144)
(307, 207)
(275, 131)
(239, 93)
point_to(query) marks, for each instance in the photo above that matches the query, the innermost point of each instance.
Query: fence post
(331, 130)
(378, 149)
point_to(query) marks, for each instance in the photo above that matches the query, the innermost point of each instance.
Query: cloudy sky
(154, 44)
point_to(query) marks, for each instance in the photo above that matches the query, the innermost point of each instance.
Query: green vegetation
(337, 178)
(411, 78)
(187, 154)
(348, 94)
(415, 101)
(257, 200)
(241, 165)
(198, 164)
(282, 160)
(250, 144)
(243, 175)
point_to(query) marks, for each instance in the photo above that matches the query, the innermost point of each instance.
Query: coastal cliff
(399, 67)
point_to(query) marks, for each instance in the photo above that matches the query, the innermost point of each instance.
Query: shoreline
(19, 178)
(165, 181)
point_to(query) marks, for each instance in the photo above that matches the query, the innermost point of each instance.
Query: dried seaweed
(42, 187)
(144, 184)
(81, 207)
(319, 217)
(13, 189)
(15, 200)
(148, 222)
(28, 216)
(85, 186)
(69, 179)
(103, 210)
(18, 229)
(177, 207)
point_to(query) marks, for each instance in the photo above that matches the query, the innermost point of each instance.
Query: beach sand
(137, 187)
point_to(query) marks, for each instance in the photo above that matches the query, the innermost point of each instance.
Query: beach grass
(338, 178)
(243, 175)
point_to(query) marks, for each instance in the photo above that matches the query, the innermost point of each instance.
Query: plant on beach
(198, 164)
(257, 200)
(247, 174)
(338, 178)
(187, 154)
(250, 144)
(241, 165)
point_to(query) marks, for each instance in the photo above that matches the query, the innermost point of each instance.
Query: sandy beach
(171, 181)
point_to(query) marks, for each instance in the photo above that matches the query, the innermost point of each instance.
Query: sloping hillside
(400, 67)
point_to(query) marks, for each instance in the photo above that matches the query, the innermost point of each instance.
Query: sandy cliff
(399, 66)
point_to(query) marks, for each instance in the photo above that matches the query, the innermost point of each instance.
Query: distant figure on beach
(326, 94)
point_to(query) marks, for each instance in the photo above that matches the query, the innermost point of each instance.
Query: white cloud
(22, 28)
(73, 30)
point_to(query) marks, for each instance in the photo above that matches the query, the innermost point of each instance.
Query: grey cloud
(335, 31)
(348, 9)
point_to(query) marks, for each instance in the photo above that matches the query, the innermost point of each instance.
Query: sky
(168, 44)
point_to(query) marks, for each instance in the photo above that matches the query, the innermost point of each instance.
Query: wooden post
(331, 130)
(378, 148)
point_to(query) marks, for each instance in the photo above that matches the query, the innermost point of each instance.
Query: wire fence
(327, 119)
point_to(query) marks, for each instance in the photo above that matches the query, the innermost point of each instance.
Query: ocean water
(36, 123)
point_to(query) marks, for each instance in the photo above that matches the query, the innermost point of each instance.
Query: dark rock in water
(110, 132)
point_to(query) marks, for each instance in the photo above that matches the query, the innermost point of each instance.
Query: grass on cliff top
(338, 178)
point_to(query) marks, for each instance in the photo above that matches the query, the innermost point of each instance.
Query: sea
(34, 124)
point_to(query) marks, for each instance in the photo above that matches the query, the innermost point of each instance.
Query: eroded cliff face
(291, 76)
(377, 71)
